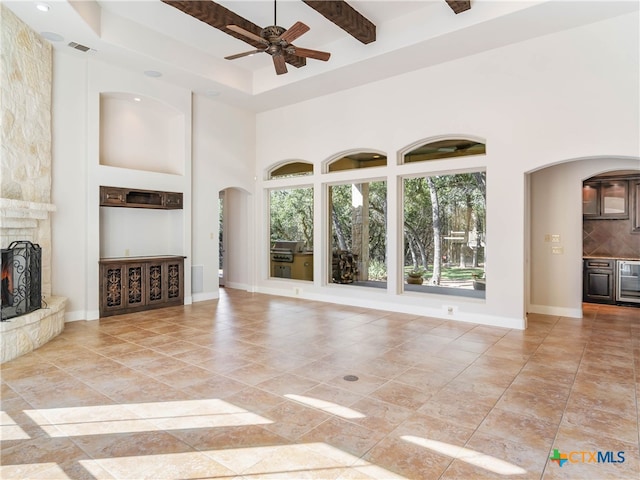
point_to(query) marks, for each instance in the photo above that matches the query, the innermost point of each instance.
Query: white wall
(568, 95)
(140, 232)
(69, 183)
(223, 157)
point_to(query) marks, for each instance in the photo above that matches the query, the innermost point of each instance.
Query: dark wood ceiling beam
(459, 6)
(345, 17)
(219, 17)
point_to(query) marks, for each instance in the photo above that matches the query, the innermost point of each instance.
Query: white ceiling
(150, 35)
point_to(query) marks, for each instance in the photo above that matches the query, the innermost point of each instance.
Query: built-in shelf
(136, 198)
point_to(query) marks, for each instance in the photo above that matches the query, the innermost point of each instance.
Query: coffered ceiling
(397, 36)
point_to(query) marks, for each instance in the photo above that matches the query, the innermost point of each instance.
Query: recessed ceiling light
(152, 73)
(137, 99)
(52, 37)
(43, 7)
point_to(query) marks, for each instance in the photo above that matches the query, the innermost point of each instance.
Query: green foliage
(291, 215)
(462, 208)
(377, 270)
(459, 274)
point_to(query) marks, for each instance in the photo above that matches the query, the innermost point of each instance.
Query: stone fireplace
(25, 172)
(29, 221)
(21, 287)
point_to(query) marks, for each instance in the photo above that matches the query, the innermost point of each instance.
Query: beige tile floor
(252, 386)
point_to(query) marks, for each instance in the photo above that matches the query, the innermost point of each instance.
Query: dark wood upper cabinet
(605, 199)
(635, 205)
(135, 198)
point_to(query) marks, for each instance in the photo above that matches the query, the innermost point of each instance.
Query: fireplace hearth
(21, 287)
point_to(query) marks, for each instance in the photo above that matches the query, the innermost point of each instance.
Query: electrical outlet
(450, 309)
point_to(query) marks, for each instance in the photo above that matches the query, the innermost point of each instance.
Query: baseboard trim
(559, 311)
(202, 297)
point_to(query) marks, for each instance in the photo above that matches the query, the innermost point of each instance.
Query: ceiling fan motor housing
(272, 33)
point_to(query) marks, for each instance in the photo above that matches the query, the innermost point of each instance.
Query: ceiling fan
(277, 43)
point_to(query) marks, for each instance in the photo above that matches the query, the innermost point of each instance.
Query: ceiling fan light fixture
(276, 41)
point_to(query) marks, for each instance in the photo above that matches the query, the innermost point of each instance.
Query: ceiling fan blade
(243, 54)
(246, 33)
(279, 63)
(308, 53)
(296, 30)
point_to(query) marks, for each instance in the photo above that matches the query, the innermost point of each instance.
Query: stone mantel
(12, 211)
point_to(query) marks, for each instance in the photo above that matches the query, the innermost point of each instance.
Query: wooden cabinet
(605, 199)
(134, 284)
(635, 205)
(172, 200)
(135, 198)
(599, 280)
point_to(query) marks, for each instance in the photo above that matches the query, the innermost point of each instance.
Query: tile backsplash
(609, 238)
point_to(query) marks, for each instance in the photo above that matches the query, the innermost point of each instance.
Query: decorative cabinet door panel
(135, 291)
(156, 281)
(175, 281)
(112, 282)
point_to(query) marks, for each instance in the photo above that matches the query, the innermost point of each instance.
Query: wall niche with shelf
(141, 133)
(136, 222)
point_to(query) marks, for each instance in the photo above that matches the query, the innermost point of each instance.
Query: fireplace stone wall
(25, 170)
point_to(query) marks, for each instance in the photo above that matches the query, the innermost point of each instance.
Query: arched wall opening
(555, 232)
(236, 237)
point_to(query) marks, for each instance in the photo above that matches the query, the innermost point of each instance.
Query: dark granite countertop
(612, 257)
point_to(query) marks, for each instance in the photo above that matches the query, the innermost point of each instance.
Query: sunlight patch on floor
(142, 417)
(309, 460)
(47, 471)
(329, 407)
(472, 457)
(9, 429)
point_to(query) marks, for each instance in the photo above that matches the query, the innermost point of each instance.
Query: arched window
(448, 148)
(291, 169)
(353, 161)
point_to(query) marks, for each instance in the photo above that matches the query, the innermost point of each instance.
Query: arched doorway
(235, 224)
(555, 240)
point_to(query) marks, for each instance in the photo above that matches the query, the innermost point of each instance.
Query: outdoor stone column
(360, 227)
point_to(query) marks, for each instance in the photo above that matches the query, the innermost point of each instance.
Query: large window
(444, 231)
(291, 233)
(358, 218)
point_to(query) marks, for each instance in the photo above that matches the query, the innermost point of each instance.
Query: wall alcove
(141, 133)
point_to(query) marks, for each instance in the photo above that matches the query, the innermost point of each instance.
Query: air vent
(77, 46)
